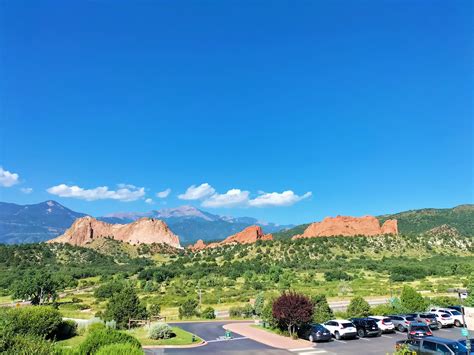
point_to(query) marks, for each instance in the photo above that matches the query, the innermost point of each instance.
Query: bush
(235, 312)
(26, 345)
(292, 311)
(105, 336)
(125, 305)
(412, 300)
(67, 329)
(337, 275)
(41, 321)
(188, 308)
(159, 331)
(154, 309)
(322, 311)
(208, 313)
(259, 304)
(119, 349)
(358, 307)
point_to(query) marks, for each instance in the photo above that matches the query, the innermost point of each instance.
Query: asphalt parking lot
(213, 331)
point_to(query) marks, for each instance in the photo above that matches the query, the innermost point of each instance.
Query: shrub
(337, 275)
(208, 313)
(76, 300)
(247, 311)
(67, 329)
(259, 304)
(322, 311)
(105, 336)
(125, 305)
(154, 309)
(41, 321)
(119, 349)
(188, 308)
(412, 300)
(235, 312)
(291, 311)
(26, 345)
(358, 307)
(159, 331)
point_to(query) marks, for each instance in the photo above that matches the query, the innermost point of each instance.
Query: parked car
(315, 332)
(433, 345)
(463, 341)
(418, 330)
(384, 323)
(456, 308)
(429, 319)
(366, 327)
(341, 328)
(401, 321)
(453, 313)
(444, 320)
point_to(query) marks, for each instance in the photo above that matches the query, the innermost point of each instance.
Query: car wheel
(440, 325)
(457, 323)
(400, 328)
(360, 333)
(311, 338)
(337, 335)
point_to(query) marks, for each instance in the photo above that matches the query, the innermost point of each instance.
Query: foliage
(411, 300)
(259, 304)
(123, 306)
(108, 289)
(208, 313)
(105, 336)
(38, 287)
(119, 349)
(66, 329)
(337, 275)
(154, 309)
(159, 331)
(25, 345)
(188, 308)
(322, 311)
(358, 307)
(292, 310)
(42, 321)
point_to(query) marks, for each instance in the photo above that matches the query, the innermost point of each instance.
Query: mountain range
(49, 219)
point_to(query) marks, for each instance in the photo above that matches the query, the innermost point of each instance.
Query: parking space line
(300, 349)
(444, 330)
(364, 339)
(219, 340)
(387, 336)
(341, 341)
(313, 352)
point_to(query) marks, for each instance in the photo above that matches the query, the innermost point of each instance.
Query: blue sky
(356, 107)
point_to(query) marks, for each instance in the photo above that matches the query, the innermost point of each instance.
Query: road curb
(151, 347)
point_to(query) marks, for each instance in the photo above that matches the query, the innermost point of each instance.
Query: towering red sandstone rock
(348, 226)
(142, 231)
(248, 236)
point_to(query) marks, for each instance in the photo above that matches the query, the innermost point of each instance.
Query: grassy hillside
(420, 221)
(417, 221)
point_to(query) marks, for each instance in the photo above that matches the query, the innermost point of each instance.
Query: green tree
(322, 311)
(123, 306)
(208, 313)
(188, 308)
(154, 310)
(38, 287)
(259, 303)
(411, 300)
(358, 307)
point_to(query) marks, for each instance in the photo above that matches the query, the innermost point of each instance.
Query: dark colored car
(418, 330)
(429, 319)
(456, 308)
(433, 345)
(366, 327)
(315, 332)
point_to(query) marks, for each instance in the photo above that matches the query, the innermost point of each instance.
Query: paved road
(211, 332)
(367, 346)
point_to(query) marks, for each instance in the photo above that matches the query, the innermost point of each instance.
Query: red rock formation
(142, 231)
(348, 226)
(248, 236)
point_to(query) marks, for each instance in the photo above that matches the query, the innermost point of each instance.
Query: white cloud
(163, 194)
(149, 201)
(197, 192)
(123, 193)
(231, 198)
(286, 198)
(8, 179)
(26, 190)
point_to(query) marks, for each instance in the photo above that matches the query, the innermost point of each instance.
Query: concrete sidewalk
(267, 338)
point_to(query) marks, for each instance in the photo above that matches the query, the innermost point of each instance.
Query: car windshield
(428, 316)
(371, 322)
(387, 320)
(456, 313)
(347, 325)
(457, 347)
(444, 315)
(419, 327)
(319, 327)
(410, 318)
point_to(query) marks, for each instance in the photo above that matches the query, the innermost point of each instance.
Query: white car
(455, 315)
(341, 328)
(384, 323)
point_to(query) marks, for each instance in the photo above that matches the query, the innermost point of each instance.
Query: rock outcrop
(143, 231)
(349, 226)
(248, 236)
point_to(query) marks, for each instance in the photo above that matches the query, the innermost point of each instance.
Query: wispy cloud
(149, 201)
(275, 199)
(231, 198)
(7, 178)
(164, 193)
(197, 192)
(26, 190)
(125, 192)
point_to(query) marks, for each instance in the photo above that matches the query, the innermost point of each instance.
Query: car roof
(441, 340)
(339, 320)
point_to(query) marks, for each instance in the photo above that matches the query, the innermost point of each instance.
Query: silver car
(429, 319)
(402, 321)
